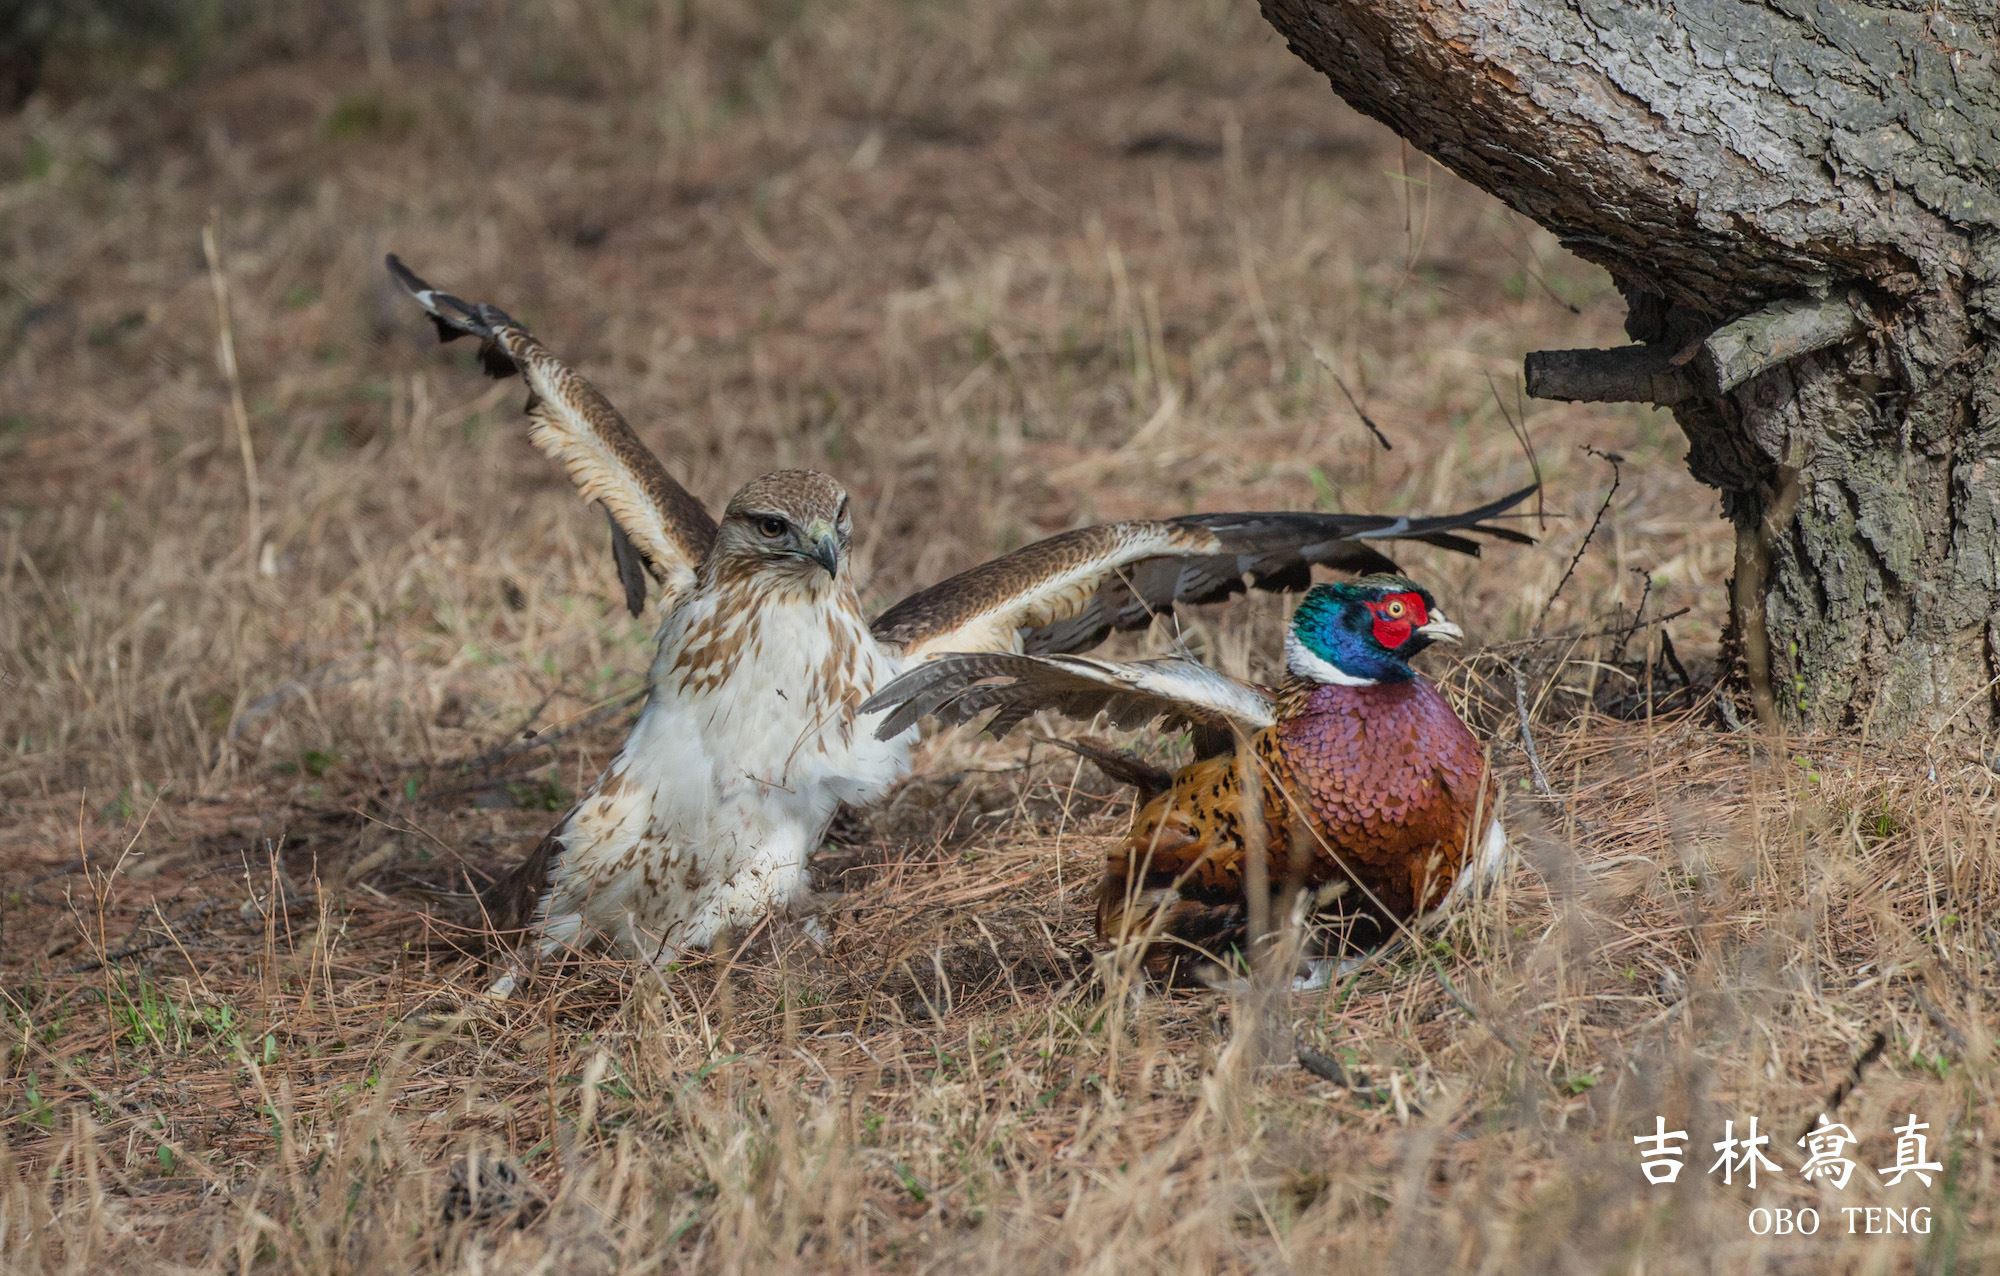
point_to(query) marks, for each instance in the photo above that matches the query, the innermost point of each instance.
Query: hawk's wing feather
(631, 566)
(654, 520)
(959, 686)
(1066, 593)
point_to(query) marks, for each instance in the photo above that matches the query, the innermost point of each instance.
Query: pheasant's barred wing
(1066, 593)
(957, 687)
(657, 528)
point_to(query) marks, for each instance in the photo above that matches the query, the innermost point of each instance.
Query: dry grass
(1003, 268)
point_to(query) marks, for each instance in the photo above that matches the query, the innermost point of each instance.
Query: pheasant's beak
(825, 548)
(1438, 629)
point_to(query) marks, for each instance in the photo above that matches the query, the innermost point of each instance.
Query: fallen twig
(1541, 778)
(1617, 475)
(1868, 1055)
(1327, 1068)
(1581, 635)
(1366, 420)
(1638, 614)
(238, 414)
(157, 939)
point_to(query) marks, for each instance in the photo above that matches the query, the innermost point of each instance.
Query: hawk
(753, 730)
(1366, 780)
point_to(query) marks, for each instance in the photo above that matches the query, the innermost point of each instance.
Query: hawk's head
(793, 523)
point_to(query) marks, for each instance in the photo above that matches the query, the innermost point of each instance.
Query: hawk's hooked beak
(1438, 629)
(824, 548)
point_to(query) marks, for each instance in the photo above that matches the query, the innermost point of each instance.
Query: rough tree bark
(1800, 200)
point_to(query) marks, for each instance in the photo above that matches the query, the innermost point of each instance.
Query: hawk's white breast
(748, 741)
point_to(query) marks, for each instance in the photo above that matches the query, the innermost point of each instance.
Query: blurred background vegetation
(71, 48)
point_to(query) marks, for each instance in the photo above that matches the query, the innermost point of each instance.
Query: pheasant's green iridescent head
(1357, 633)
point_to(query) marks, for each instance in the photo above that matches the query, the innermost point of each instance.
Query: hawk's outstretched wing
(957, 687)
(1065, 593)
(657, 528)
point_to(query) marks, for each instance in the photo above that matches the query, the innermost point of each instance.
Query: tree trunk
(1800, 200)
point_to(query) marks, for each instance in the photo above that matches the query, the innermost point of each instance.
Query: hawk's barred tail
(510, 902)
(454, 317)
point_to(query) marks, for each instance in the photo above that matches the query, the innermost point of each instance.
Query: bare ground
(1004, 269)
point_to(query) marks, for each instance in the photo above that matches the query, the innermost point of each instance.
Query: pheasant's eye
(771, 527)
(1395, 609)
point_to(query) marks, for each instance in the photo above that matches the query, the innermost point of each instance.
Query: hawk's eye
(771, 527)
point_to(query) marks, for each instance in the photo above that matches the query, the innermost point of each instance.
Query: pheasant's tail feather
(1122, 766)
(1439, 530)
(1066, 593)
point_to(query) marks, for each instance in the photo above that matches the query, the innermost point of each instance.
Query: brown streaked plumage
(654, 520)
(959, 686)
(753, 730)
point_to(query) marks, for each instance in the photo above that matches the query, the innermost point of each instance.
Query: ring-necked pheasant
(1368, 776)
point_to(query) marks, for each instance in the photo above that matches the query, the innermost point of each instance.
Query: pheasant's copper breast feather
(1382, 783)
(1390, 777)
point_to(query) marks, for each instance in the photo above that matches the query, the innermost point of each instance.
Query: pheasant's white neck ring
(1300, 660)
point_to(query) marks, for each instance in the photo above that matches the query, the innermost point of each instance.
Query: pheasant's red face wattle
(1397, 616)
